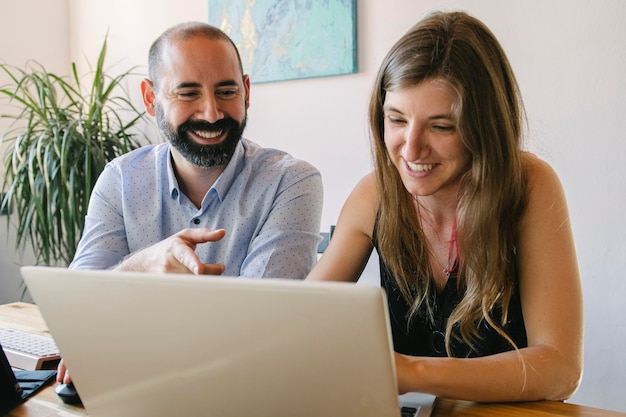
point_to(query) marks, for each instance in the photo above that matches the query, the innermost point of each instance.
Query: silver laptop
(141, 344)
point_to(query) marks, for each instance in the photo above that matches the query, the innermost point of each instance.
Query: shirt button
(196, 221)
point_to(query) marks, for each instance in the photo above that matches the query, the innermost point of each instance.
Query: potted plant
(60, 137)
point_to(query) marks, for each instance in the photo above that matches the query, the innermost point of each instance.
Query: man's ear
(148, 95)
(246, 82)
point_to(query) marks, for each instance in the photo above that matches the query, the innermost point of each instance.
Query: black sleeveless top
(422, 337)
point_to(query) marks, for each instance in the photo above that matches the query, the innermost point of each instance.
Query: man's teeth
(420, 167)
(206, 134)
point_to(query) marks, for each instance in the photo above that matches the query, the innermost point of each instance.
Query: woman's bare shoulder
(361, 206)
(538, 172)
(367, 186)
(543, 186)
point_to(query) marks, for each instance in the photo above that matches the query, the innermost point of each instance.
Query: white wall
(29, 29)
(570, 59)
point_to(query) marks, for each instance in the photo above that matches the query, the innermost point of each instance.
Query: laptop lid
(141, 344)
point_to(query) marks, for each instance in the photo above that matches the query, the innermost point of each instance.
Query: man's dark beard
(204, 156)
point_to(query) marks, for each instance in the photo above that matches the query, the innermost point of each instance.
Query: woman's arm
(550, 289)
(351, 243)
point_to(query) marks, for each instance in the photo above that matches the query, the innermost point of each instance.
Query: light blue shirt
(268, 202)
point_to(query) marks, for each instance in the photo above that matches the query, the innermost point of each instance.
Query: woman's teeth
(420, 167)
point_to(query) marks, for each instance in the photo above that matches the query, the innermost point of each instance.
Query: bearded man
(207, 201)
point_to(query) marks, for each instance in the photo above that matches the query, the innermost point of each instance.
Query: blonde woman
(474, 238)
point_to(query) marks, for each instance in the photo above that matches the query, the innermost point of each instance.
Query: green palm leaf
(61, 135)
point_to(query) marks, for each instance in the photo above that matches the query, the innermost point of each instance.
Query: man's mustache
(195, 125)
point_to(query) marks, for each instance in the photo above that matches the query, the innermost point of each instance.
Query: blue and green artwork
(290, 39)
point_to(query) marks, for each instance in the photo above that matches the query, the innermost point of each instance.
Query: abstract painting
(290, 39)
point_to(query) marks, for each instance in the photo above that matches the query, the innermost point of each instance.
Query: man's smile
(208, 134)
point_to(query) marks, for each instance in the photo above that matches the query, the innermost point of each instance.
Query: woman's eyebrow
(432, 117)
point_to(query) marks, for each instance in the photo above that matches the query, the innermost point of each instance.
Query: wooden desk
(46, 404)
(25, 316)
(456, 408)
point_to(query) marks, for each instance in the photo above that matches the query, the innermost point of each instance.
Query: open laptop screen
(142, 344)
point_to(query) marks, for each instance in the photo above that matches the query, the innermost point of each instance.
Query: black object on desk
(67, 393)
(17, 386)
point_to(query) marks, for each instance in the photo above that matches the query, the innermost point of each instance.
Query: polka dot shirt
(268, 202)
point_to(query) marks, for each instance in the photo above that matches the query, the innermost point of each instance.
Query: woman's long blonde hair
(462, 52)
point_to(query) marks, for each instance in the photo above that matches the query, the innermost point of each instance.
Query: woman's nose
(415, 144)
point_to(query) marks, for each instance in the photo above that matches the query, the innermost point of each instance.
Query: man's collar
(223, 182)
